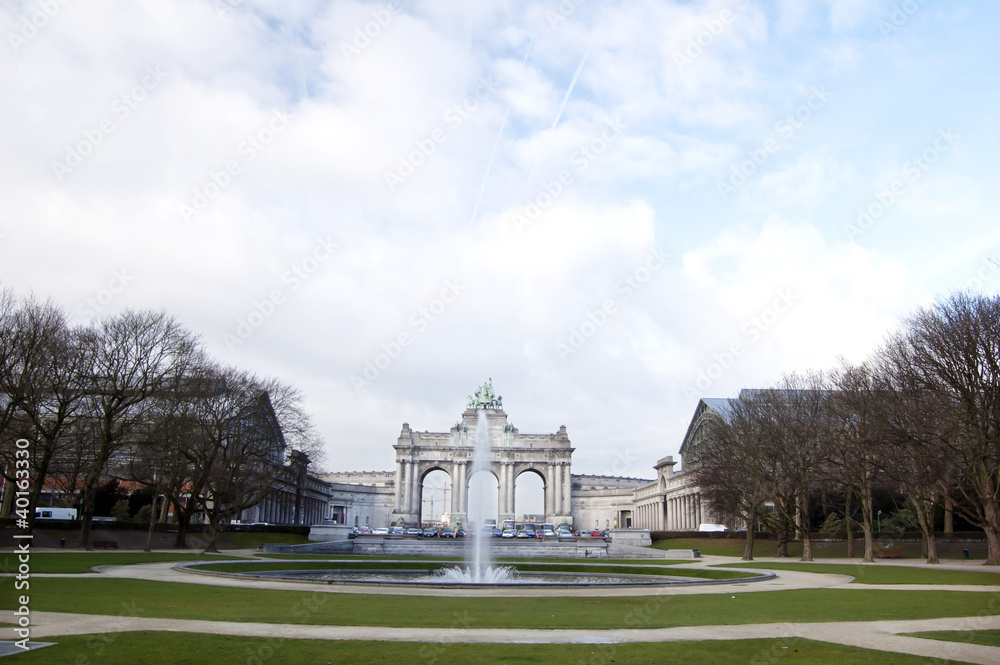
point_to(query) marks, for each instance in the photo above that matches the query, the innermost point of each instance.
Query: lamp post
(880, 521)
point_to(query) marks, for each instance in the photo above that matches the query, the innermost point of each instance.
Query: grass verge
(458, 559)
(988, 638)
(432, 566)
(81, 562)
(218, 603)
(881, 574)
(188, 648)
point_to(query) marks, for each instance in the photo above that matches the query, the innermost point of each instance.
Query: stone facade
(513, 453)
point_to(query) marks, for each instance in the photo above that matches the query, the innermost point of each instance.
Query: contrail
(565, 100)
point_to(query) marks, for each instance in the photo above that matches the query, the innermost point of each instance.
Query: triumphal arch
(512, 453)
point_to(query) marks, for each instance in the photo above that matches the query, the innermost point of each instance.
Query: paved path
(877, 635)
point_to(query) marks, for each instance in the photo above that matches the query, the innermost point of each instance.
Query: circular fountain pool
(405, 573)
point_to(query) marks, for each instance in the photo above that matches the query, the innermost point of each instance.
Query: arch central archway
(529, 495)
(484, 496)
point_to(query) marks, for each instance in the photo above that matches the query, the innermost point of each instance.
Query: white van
(55, 513)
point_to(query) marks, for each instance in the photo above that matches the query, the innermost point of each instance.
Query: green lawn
(457, 559)
(191, 649)
(821, 550)
(989, 638)
(431, 566)
(81, 562)
(883, 574)
(734, 547)
(207, 602)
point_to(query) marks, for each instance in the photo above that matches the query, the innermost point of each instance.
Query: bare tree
(135, 356)
(953, 352)
(731, 467)
(796, 438)
(855, 445)
(248, 448)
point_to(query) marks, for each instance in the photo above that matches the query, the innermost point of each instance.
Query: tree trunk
(41, 471)
(87, 510)
(866, 517)
(8, 497)
(847, 520)
(807, 550)
(748, 546)
(782, 540)
(949, 515)
(183, 518)
(213, 533)
(925, 518)
(992, 529)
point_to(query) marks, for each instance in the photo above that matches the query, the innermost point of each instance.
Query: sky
(610, 209)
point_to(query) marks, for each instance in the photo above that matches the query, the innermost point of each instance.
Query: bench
(888, 554)
(105, 544)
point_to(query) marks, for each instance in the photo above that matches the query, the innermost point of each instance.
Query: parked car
(564, 533)
(430, 533)
(364, 530)
(447, 533)
(413, 532)
(497, 533)
(397, 531)
(381, 531)
(507, 533)
(549, 533)
(526, 533)
(461, 533)
(539, 535)
(596, 534)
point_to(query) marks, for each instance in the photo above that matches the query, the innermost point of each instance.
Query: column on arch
(463, 490)
(567, 489)
(415, 494)
(557, 503)
(399, 485)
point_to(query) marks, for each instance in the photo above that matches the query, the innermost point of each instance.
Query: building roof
(721, 406)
